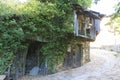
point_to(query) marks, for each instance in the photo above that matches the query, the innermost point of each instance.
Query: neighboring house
(86, 28)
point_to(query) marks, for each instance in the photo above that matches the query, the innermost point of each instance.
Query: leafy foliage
(118, 7)
(10, 40)
(50, 19)
(115, 19)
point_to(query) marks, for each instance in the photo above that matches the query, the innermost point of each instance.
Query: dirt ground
(104, 65)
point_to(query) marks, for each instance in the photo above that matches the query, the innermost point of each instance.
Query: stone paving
(103, 66)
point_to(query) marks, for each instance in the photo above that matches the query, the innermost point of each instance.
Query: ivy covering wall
(50, 19)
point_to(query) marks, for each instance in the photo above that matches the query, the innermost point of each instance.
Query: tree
(115, 18)
(118, 8)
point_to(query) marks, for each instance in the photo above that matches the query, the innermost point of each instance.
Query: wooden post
(75, 23)
(85, 26)
(92, 29)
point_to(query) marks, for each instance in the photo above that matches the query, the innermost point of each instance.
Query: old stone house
(86, 28)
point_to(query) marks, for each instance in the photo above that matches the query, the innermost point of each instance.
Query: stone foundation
(27, 60)
(78, 54)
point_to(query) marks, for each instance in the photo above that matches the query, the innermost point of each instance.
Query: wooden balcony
(86, 24)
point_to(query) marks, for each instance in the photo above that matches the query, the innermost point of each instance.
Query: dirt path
(103, 66)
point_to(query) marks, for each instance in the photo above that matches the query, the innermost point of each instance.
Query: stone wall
(78, 54)
(18, 67)
(26, 60)
(86, 52)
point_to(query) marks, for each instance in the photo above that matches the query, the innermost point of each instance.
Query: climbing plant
(50, 19)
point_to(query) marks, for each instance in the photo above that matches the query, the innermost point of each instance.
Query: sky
(104, 6)
(105, 38)
(22, 1)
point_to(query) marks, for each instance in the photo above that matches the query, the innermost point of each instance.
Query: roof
(87, 12)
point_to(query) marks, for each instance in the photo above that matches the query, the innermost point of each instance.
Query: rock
(43, 69)
(34, 71)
